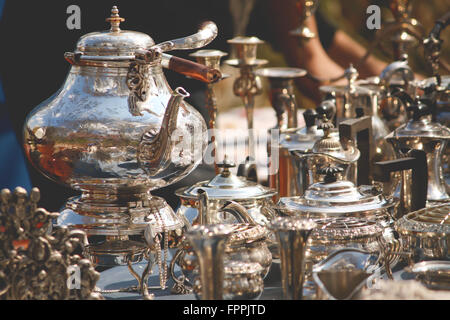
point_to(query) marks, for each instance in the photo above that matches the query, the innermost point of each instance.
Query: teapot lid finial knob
(115, 19)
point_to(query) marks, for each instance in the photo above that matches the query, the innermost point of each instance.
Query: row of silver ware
(386, 209)
(116, 131)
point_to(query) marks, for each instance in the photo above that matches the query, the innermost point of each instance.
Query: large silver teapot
(115, 131)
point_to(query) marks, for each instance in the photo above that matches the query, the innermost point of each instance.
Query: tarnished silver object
(426, 233)
(344, 273)
(292, 175)
(37, 263)
(433, 274)
(247, 86)
(305, 8)
(242, 281)
(115, 131)
(211, 58)
(281, 94)
(208, 242)
(292, 235)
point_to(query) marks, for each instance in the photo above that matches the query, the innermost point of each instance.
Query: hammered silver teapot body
(115, 131)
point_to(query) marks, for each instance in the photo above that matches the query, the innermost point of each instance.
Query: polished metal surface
(208, 242)
(344, 273)
(282, 93)
(426, 232)
(359, 98)
(292, 177)
(115, 131)
(292, 235)
(422, 133)
(334, 197)
(247, 244)
(326, 150)
(348, 97)
(36, 262)
(331, 234)
(433, 274)
(248, 241)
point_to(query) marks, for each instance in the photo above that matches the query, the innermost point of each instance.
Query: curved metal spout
(155, 149)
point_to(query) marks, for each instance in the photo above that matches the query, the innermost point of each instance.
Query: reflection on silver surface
(426, 232)
(343, 273)
(208, 241)
(433, 274)
(292, 235)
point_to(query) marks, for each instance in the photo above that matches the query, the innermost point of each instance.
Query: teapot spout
(155, 149)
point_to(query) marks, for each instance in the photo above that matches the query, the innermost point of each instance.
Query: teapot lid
(302, 139)
(421, 124)
(114, 43)
(226, 185)
(334, 197)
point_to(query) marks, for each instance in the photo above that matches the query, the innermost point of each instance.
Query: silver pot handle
(207, 32)
(238, 211)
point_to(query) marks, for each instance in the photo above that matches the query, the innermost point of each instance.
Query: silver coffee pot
(423, 133)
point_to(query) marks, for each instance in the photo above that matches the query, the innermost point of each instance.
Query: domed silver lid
(227, 186)
(333, 197)
(113, 43)
(421, 124)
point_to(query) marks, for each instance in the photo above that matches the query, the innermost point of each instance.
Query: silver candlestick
(282, 95)
(248, 84)
(211, 59)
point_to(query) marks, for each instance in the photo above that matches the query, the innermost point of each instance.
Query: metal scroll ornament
(36, 265)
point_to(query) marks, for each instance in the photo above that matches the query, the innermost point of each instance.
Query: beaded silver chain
(162, 270)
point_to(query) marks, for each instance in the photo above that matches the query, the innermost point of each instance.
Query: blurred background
(349, 16)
